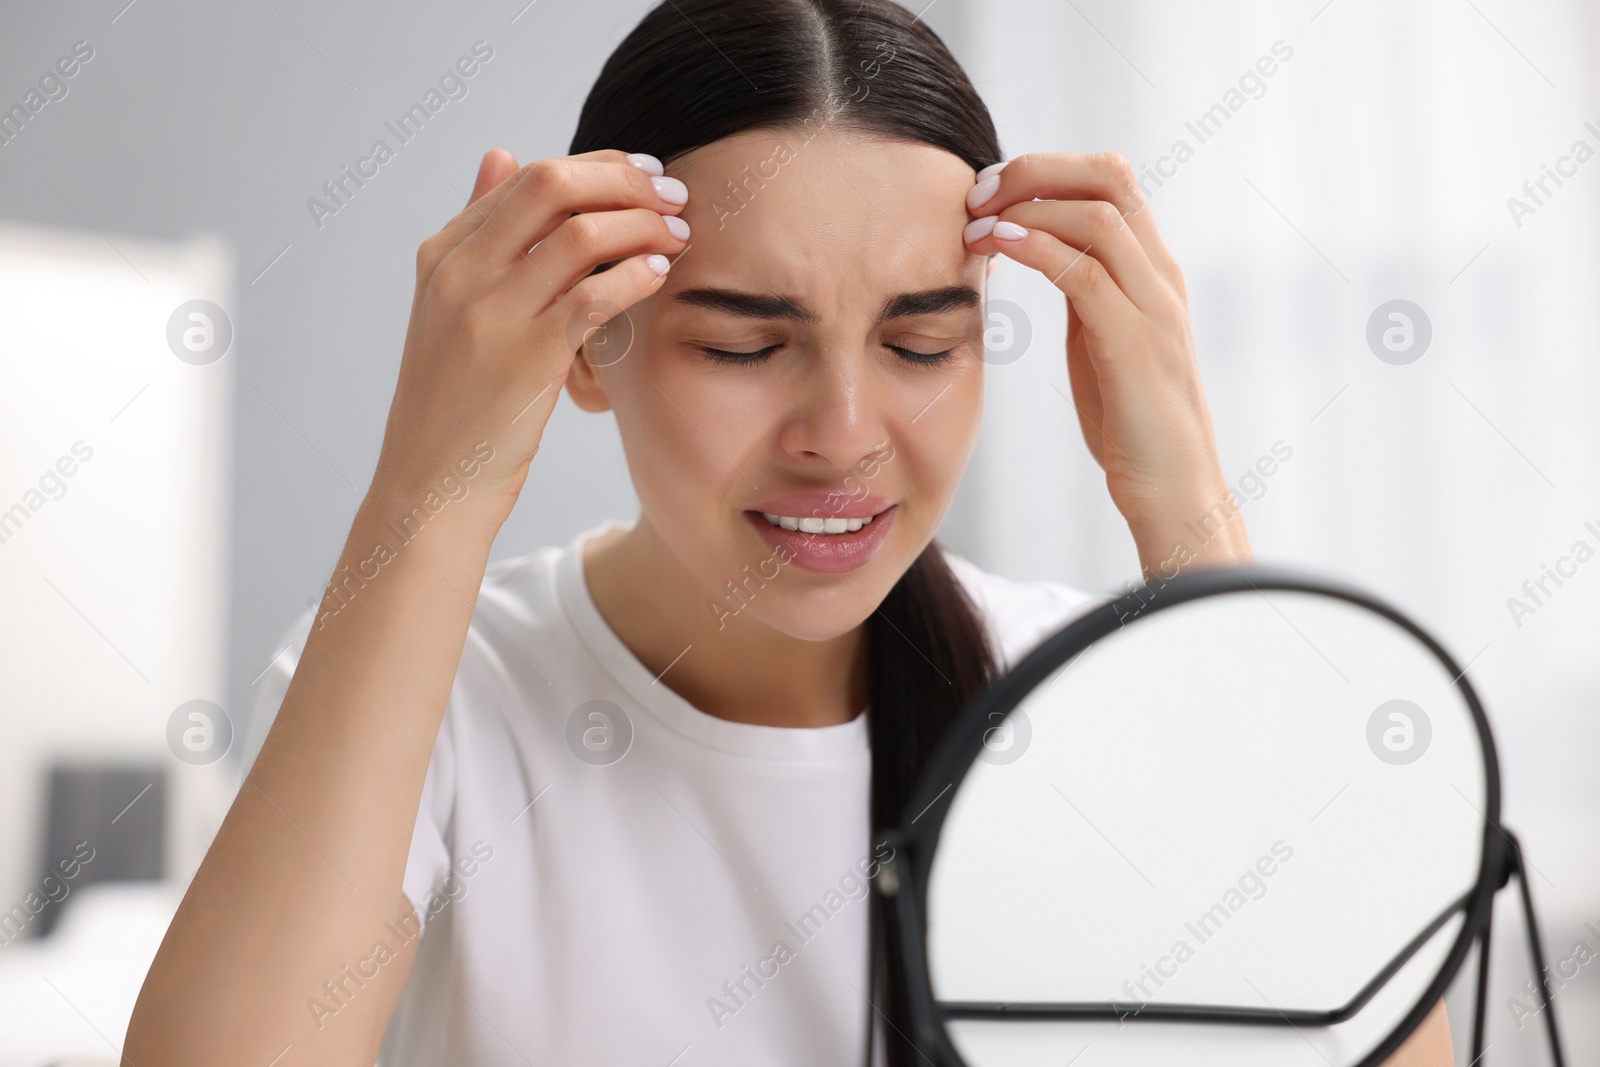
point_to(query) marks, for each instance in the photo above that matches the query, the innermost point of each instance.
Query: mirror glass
(1253, 800)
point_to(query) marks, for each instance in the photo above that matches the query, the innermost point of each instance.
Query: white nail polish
(978, 229)
(983, 192)
(993, 168)
(671, 190)
(658, 263)
(1009, 231)
(646, 162)
(676, 226)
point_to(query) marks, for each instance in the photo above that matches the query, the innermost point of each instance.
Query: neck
(740, 669)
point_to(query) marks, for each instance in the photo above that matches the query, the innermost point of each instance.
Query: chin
(821, 616)
(815, 606)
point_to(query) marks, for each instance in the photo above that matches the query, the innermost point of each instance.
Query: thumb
(496, 167)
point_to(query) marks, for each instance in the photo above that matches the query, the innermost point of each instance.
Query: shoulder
(1021, 614)
(518, 638)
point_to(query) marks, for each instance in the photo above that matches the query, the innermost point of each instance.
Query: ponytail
(928, 657)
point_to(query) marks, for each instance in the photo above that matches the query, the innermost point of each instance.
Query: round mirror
(1247, 820)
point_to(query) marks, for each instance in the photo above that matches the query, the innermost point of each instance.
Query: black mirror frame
(901, 885)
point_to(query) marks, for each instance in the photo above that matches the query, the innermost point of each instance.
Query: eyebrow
(768, 306)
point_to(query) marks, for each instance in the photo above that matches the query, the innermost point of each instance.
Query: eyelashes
(924, 359)
(762, 355)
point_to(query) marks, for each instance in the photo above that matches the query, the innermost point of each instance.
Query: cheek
(942, 437)
(690, 437)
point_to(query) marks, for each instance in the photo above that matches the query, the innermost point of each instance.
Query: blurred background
(1386, 215)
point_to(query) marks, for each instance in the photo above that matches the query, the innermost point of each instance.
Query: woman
(627, 784)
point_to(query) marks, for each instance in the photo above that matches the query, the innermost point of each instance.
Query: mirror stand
(1513, 864)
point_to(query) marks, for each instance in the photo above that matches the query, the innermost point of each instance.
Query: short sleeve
(429, 860)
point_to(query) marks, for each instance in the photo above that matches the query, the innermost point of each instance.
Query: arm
(308, 865)
(1082, 221)
(1429, 1045)
(306, 868)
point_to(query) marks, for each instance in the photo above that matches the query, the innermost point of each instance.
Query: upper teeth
(815, 524)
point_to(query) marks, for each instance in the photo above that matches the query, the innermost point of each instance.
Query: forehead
(838, 218)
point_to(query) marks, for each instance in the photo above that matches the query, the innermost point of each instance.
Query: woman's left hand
(1083, 221)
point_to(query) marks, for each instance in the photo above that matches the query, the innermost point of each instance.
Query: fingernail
(671, 190)
(993, 168)
(657, 263)
(978, 229)
(983, 192)
(676, 226)
(1009, 231)
(646, 162)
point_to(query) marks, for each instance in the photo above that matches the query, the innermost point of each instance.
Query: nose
(839, 415)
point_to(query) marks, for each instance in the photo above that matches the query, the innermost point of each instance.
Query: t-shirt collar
(842, 740)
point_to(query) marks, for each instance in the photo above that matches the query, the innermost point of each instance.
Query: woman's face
(844, 312)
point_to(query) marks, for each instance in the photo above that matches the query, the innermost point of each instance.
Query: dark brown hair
(695, 71)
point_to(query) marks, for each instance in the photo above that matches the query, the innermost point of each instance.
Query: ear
(583, 380)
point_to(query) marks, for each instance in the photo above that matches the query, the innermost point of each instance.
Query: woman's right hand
(495, 326)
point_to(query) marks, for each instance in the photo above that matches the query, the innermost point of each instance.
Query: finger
(497, 165)
(1095, 226)
(577, 246)
(549, 191)
(492, 187)
(611, 155)
(1085, 386)
(1075, 175)
(489, 189)
(1102, 306)
(593, 302)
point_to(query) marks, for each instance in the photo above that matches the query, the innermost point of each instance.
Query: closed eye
(761, 355)
(926, 359)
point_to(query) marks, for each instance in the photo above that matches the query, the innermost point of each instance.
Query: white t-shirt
(608, 875)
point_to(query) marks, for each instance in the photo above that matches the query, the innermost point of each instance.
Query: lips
(826, 553)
